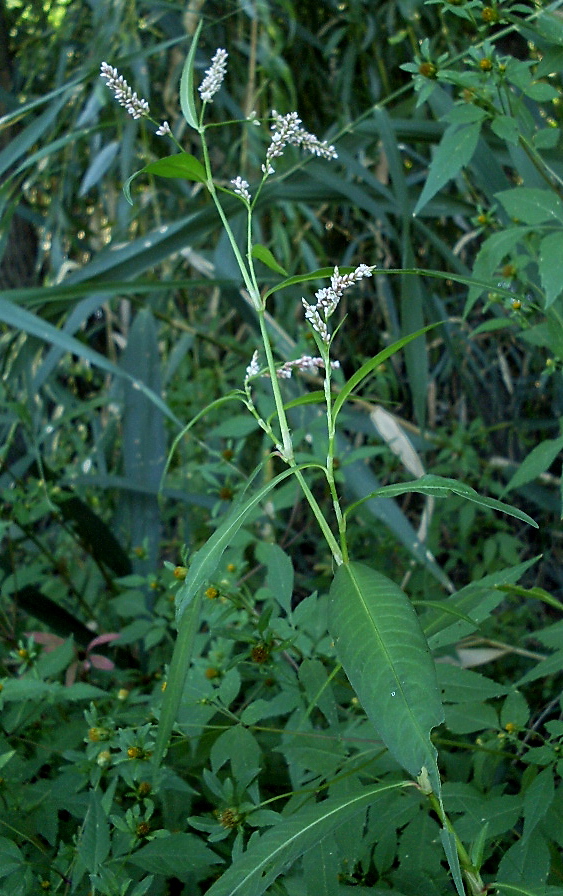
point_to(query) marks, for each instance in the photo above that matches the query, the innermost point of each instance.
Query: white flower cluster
(214, 76)
(287, 129)
(240, 186)
(305, 364)
(253, 368)
(328, 298)
(135, 106)
(164, 130)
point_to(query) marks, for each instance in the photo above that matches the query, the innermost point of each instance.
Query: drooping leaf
(439, 487)
(21, 319)
(381, 646)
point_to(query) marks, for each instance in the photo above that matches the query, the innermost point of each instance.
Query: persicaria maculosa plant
(376, 632)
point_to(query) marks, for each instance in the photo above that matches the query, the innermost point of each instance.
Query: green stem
(287, 445)
(247, 276)
(331, 427)
(250, 282)
(471, 874)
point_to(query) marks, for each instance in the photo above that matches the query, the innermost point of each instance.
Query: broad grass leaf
(455, 150)
(20, 319)
(98, 167)
(144, 439)
(269, 854)
(382, 647)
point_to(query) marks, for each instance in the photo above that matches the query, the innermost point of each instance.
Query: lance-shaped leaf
(382, 647)
(187, 99)
(179, 165)
(274, 851)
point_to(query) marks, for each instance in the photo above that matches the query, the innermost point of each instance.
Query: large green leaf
(271, 853)
(381, 645)
(531, 205)
(144, 440)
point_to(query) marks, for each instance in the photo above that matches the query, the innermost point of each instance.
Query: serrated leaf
(551, 266)
(531, 205)
(177, 855)
(263, 254)
(279, 575)
(187, 99)
(278, 848)
(381, 645)
(94, 844)
(536, 462)
(455, 150)
(537, 800)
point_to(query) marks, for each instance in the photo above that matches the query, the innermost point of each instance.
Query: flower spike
(135, 106)
(214, 76)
